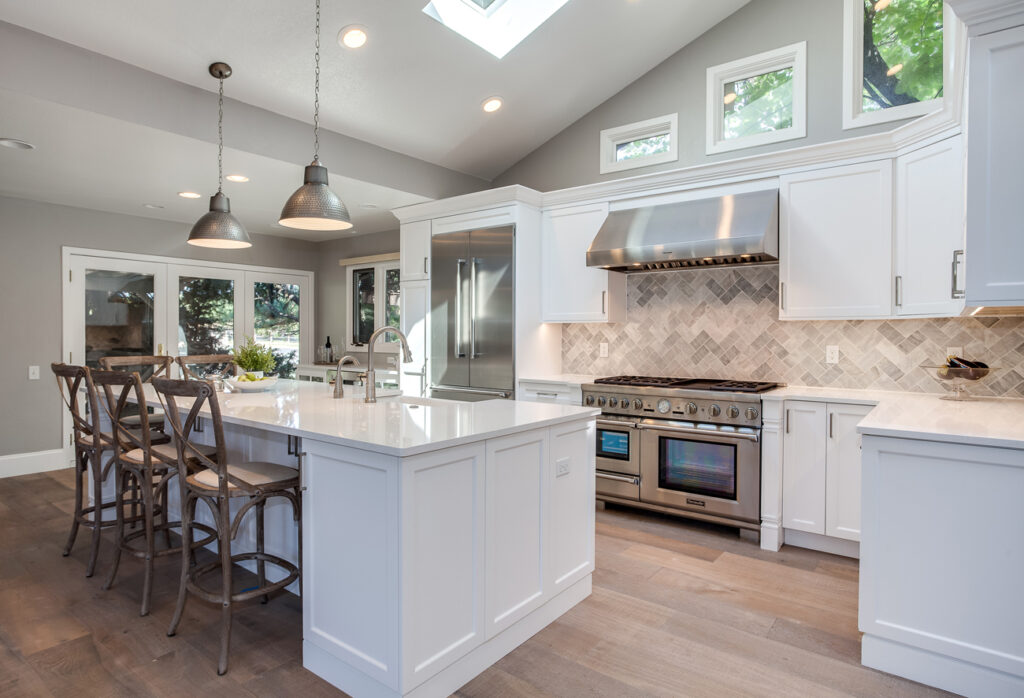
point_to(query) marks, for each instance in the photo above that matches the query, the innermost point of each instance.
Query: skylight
(497, 26)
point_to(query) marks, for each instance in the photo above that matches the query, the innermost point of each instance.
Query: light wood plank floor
(678, 609)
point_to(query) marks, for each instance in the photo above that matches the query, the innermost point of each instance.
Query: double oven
(680, 451)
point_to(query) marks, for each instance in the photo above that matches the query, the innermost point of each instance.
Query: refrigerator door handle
(472, 308)
(459, 354)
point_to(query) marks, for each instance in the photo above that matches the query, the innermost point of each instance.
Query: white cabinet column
(803, 466)
(414, 250)
(842, 477)
(415, 321)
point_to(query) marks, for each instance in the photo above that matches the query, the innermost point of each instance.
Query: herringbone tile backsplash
(723, 323)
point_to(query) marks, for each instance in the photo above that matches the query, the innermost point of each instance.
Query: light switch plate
(832, 354)
(33, 373)
(602, 350)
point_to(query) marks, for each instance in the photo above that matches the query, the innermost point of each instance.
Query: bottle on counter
(328, 350)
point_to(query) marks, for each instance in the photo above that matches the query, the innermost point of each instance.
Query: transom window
(640, 144)
(893, 60)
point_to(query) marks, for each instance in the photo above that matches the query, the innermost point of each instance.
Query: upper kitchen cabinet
(835, 243)
(995, 175)
(572, 291)
(414, 241)
(930, 231)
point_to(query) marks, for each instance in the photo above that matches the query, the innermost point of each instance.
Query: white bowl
(266, 383)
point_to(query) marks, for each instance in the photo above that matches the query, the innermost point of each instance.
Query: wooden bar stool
(148, 367)
(206, 360)
(149, 468)
(90, 443)
(216, 485)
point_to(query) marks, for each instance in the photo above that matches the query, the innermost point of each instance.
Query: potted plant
(254, 358)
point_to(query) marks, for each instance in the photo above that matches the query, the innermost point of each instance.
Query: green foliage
(903, 38)
(277, 307)
(762, 103)
(206, 315)
(251, 356)
(642, 147)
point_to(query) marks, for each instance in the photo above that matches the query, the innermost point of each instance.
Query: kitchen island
(437, 535)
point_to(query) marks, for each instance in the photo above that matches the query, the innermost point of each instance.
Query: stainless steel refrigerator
(472, 314)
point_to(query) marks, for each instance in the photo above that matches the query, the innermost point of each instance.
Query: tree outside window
(902, 52)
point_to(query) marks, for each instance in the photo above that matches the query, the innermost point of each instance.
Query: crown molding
(987, 16)
(467, 203)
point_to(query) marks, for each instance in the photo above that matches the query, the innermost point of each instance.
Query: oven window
(697, 467)
(613, 444)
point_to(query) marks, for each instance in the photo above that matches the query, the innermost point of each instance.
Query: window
(374, 302)
(757, 100)
(641, 144)
(892, 60)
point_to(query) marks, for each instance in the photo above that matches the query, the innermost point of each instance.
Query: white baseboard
(35, 462)
(826, 544)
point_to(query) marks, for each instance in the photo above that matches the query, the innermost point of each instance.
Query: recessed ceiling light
(237, 178)
(492, 104)
(352, 36)
(188, 195)
(730, 98)
(151, 206)
(16, 144)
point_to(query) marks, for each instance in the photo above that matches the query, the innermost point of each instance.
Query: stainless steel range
(686, 446)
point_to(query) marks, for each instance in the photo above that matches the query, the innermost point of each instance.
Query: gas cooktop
(713, 384)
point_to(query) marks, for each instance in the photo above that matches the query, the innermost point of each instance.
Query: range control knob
(733, 411)
(589, 400)
(613, 402)
(638, 404)
(691, 408)
(714, 410)
(752, 413)
(601, 401)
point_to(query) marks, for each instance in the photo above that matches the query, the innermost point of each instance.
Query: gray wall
(31, 237)
(332, 293)
(678, 85)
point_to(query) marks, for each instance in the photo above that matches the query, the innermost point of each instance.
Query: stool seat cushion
(155, 417)
(255, 473)
(155, 437)
(166, 453)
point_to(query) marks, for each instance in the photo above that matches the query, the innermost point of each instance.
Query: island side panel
(443, 533)
(941, 564)
(571, 505)
(350, 570)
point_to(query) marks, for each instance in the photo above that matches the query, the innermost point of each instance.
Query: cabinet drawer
(543, 391)
(618, 485)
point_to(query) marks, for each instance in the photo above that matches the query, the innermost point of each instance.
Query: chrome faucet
(371, 381)
(339, 390)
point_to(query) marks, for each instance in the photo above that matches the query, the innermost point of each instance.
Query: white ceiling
(415, 88)
(94, 161)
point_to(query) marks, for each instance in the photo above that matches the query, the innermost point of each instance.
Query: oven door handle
(702, 432)
(618, 478)
(611, 424)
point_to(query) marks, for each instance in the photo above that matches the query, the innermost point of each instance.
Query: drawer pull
(618, 478)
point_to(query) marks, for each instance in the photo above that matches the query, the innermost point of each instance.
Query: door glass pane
(392, 300)
(206, 315)
(118, 315)
(277, 323)
(362, 305)
(698, 467)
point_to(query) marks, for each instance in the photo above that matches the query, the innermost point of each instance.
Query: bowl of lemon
(252, 382)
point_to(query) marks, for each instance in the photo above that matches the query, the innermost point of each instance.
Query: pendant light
(219, 228)
(314, 206)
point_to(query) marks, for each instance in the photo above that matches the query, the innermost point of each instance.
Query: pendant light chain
(220, 138)
(316, 89)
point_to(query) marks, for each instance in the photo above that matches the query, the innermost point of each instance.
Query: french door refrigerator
(472, 314)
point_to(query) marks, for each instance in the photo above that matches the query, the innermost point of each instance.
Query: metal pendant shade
(218, 228)
(314, 206)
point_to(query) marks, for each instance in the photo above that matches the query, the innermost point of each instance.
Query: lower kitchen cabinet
(536, 390)
(821, 468)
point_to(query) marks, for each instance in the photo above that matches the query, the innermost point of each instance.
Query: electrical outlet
(392, 361)
(832, 354)
(602, 350)
(33, 373)
(561, 467)
(954, 351)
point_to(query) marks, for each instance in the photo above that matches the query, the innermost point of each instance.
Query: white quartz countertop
(984, 421)
(569, 378)
(397, 426)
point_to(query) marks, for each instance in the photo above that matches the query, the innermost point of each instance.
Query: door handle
(782, 295)
(459, 354)
(956, 293)
(425, 265)
(831, 420)
(618, 478)
(899, 291)
(604, 295)
(787, 421)
(472, 309)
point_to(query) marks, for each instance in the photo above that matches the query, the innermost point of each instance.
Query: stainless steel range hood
(726, 230)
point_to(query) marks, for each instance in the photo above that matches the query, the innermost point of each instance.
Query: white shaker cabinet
(415, 316)
(835, 243)
(572, 291)
(995, 176)
(821, 468)
(414, 250)
(930, 230)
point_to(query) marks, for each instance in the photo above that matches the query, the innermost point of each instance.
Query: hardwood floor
(678, 609)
